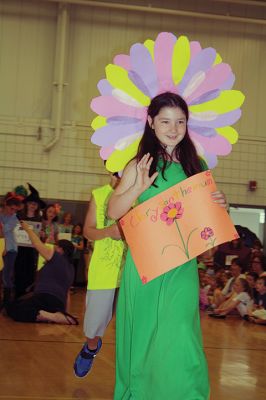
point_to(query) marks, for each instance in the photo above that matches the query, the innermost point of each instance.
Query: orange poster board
(175, 226)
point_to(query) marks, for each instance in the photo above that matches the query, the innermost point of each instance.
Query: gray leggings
(99, 311)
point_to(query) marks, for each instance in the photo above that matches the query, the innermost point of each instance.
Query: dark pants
(25, 269)
(8, 270)
(26, 310)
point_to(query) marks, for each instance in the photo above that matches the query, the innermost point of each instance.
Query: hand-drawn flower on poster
(206, 234)
(171, 213)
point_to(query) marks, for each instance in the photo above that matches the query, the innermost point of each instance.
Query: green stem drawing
(180, 234)
(173, 245)
(185, 246)
(211, 243)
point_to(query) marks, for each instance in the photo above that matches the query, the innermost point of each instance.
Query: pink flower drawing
(171, 212)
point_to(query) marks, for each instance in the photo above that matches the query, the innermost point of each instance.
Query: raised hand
(143, 180)
(219, 198)
(114, 232)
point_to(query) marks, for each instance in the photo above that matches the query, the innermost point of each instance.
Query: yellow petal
(119, 159)
(118, 78)
(227, 101)
(229, 133)
(181, 58)
(98, 122)
(149, 44)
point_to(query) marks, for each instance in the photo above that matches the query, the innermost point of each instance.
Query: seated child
(252, 277)
(258, 313)
(241, 300)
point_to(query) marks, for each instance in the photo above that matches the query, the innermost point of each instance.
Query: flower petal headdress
(166, 64)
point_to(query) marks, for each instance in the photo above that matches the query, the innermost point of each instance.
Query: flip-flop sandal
(220, 316)
(70, 319)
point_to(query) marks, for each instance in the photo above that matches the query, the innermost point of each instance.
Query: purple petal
(228, 84)
(109, 134)
(211, 160)
(104, 87)
(221, 120)
(142, 64)
(201, 62)
(122, 120)
(207, 132)
(136, 79)
(205, 97)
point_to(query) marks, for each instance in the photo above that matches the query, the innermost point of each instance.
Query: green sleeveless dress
(159, 354)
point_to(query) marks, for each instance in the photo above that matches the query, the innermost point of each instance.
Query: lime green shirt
(107, 258)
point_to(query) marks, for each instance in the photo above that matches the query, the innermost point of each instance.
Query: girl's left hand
(219, 198)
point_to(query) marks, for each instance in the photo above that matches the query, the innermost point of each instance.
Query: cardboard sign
(65, 236)
(21, 236)
(176, 226)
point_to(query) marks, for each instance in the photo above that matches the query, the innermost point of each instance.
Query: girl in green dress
(159, 352)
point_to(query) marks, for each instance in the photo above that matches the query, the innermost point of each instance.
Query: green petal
(181, 58)
(229, 133)
(227, 101)
(118, 78)
(149, 44)
(98, 122)
(119, 159)
(218, 59)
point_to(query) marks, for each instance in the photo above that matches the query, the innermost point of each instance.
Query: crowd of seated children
(238, 289)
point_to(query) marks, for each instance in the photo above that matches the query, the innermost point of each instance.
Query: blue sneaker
(84, 360)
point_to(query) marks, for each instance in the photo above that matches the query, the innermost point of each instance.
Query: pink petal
(163, 51)
(164, 217)
(108, 106)
(170, 221)
(216, 144)
(195, 48)
(123, 61)
(178, 205)
(215, 77)
(105, 152)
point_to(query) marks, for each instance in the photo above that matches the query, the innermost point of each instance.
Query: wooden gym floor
(36, 360)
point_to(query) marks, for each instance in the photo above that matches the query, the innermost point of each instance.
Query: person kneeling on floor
(48, 303)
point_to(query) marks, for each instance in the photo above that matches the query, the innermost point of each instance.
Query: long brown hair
(185, 151)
